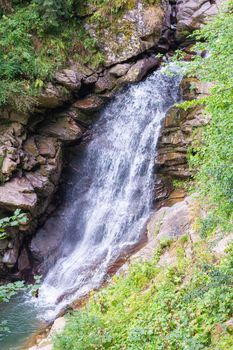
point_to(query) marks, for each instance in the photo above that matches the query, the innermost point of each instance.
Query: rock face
(31, 144)
(137, 30)
(192, 14)
(167, 224)
(175, 139)
(138, 70)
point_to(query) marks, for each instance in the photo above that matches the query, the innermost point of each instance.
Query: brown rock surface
(53, 96)
(137, 30)
(176, 137)
(63, 128)
(68, 78)
(89, 104)
(192, 14)
(18, 193)
(139, 70)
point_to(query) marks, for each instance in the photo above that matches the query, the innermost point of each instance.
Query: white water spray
(111, 201)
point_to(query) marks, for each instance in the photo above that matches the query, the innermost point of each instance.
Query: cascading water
(111, 201)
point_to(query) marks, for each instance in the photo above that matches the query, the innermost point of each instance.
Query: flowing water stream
(107, 209)
(105, 212)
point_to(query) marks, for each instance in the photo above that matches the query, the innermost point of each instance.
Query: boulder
(167, 223)
(192, 14)
(120, 69)
(139, 70)
(219, 243)
(136, 30)
(18, 193)
(53, 96)
(176, 221)
(47, 342)
(89, 104)
(105, 83)
(68, 78)
(63, 128)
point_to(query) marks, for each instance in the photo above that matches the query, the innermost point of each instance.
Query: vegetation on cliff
(213, 157)
(33, 45)
(38, 37)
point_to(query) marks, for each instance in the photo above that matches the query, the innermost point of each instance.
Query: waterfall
(105, 213)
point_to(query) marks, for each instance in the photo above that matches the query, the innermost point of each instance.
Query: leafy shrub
(36, 39)
(213, 158)
(153, 308)
(15, 220)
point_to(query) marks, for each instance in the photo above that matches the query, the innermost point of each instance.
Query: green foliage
(213, 158)
(7, 291)
(53, 11)
(16, 219)
(36, 39)
(154, 309)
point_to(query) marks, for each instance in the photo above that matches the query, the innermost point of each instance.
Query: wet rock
(7, 113)
(89, 104)
(10, 256)
(176, 137)
(139, 70)
(30, 147)
(47, 146)
(64, 129)
(23, 261)
(3, 244)
(120, 69)
(104, 83)
(83, 72)
(40, 183)
(9, 166)
(44, 246)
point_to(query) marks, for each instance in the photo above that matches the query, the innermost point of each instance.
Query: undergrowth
(212, 157)
(181, 307)
(38, 37)
(31, 51)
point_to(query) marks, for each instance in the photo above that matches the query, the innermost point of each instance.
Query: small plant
(165, 243)
(7, 291)
(16, 219)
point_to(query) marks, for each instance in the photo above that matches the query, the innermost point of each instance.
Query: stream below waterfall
(104, 212)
